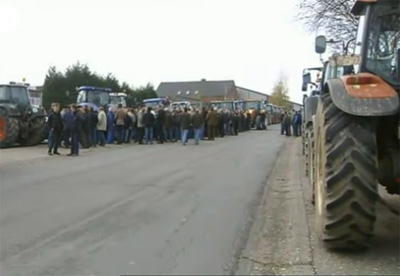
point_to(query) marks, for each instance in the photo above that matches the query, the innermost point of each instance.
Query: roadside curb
(245, 264)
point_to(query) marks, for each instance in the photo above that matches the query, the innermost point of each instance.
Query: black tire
(36, 134)
(346, 178)
(9, 128)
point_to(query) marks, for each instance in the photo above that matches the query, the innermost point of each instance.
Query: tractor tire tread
(351, 178)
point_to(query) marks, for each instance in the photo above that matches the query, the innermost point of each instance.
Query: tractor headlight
(35, 110)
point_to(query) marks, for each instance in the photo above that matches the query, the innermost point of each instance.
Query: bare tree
(332, 16)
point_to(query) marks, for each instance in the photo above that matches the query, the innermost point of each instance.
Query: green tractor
(20, 122)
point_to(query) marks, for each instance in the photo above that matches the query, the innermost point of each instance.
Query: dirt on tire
(346, 178)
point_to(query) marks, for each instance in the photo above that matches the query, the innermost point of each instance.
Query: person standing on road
(185, 121)
(55, 124)
(212, 123)
(140, 125)
(102, 126)
(160, 122)
(67, 121)
(148, 121)
(198, 123)
(120, 123)
(75, 131)
(93, 126)
(282, 119)
(287, 123)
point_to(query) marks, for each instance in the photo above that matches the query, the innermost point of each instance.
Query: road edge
(244, 265)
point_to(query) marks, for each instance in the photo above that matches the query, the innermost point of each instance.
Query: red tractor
(357, 130)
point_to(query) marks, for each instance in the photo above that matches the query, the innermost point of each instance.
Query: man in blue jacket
(75, 131)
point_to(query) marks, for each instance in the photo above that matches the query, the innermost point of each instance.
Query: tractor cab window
(15, 94)
(81, 97)
(99, 98)
(384, 41)
(253, 105)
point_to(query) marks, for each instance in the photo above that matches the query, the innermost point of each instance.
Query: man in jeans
(148, 121)
(197, 123)
(120, 123)
(185, 121)
(55, 124)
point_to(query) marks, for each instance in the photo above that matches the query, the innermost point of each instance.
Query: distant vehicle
(180, 105)
(20, 121)
(229, 105)
(153, 102)
(93, 97)
(118, 98)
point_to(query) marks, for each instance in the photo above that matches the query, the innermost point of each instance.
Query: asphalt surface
(134, 209)
(283, 239)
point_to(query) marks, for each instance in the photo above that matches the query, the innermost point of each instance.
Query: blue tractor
(94, 97)
(153, 102)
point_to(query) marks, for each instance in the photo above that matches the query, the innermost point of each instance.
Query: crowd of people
(291, 122)
(77, 127)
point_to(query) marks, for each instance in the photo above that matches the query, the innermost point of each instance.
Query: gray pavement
(283, 240)
(133, 209)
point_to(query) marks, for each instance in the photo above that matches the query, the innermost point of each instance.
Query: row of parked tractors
(351, 139)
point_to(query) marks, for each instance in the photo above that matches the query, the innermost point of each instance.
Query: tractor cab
(180, 105)
(15, 93)
(377, 43)
(118, 98)
(239, 105)
(93, 97)
(154, 102)
(228, 105)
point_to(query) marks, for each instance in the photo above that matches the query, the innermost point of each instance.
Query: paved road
(283, 238)
(161, 209)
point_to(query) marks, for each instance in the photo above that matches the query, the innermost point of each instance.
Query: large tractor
(357, 130)
(20, 122)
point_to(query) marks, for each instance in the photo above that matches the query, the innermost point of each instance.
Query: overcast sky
(144, 41)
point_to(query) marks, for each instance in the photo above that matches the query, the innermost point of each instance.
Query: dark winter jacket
(55, 122)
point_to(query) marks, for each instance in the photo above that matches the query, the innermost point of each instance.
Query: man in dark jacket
(212, 123)
(160, 121)
(75, 130)
(198, 123)
(148, 121)
(185, 121)
(67, 121)
(55, 124)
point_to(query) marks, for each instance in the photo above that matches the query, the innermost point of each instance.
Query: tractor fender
(310, 107)
(363, 102)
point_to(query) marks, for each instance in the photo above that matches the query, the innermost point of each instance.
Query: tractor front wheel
(346, 177)
(36, 133)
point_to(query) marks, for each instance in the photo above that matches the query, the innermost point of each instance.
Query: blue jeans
(177, 132)
(102, 138)
(197, 135)
(93, 135)
(185, 133)
(148, 134)
(128, 135)
(75, 135)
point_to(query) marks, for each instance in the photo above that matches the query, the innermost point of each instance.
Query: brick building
(198, 91)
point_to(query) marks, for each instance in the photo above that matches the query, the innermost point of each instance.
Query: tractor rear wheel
(346, 177)
(36, 134)
(9, 130)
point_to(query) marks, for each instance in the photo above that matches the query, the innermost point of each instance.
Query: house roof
(194, 89)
